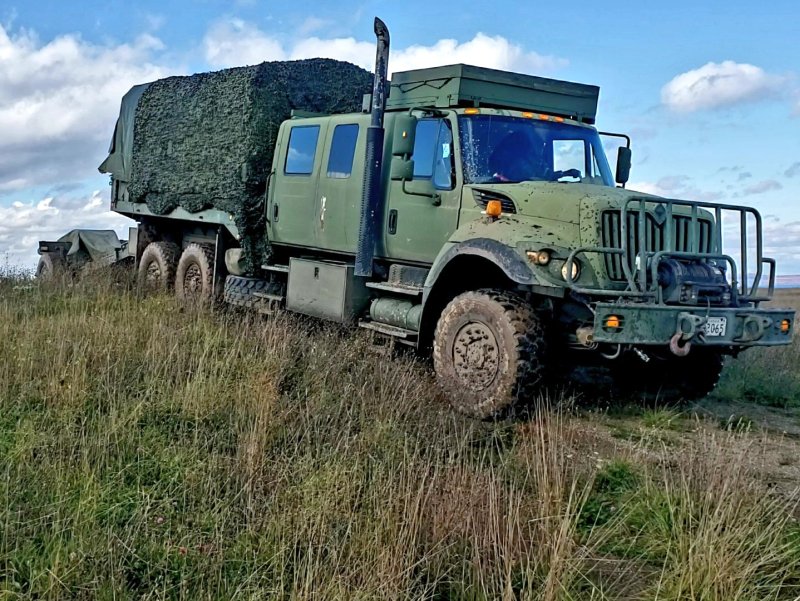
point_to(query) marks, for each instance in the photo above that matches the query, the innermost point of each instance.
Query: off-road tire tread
(527, 355)
(203, 254)
(50, 267)
(167, 253)
(239, 293)
(670, 382)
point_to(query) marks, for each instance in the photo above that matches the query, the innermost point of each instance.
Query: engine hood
(558, 201)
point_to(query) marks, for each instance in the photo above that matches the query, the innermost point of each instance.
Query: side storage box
(325, 289)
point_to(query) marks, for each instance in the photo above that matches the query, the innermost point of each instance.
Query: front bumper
(640, 323)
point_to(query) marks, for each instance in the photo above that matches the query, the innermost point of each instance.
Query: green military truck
(471, 214)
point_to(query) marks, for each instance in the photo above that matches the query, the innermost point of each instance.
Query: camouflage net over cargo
(207, 140)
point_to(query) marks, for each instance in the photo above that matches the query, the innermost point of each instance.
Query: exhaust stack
(371, 195)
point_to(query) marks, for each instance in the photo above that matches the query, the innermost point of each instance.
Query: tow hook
(689, 326)
(679, 346)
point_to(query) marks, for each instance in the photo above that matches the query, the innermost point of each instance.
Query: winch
(693, 282)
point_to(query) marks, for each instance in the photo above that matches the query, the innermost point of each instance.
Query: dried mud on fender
(207, 140)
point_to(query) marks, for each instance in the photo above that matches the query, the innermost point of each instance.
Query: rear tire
(194, 278)
(488, 352)
(51, 267)
(157, 267)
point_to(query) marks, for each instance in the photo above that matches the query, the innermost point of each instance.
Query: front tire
(670, 379)
(488, 352)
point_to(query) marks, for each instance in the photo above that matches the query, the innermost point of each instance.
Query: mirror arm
(436, 199)
(625, 137)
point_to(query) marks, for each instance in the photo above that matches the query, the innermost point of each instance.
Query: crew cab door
(415, 227)
(340, 183)
(292, 190)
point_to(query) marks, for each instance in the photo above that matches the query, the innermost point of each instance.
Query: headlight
(576, 270)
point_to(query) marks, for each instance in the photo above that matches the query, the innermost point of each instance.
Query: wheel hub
(193, 281)
(475, 355)
(153, 274)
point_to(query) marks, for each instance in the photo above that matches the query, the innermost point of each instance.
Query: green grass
(149, 452)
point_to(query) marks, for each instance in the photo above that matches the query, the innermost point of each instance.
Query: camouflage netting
(207, 140)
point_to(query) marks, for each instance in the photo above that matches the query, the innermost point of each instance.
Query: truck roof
(466, 85)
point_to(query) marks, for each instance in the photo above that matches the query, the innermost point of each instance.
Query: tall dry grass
(150, 452)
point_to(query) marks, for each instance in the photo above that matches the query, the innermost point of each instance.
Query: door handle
(275, 212)
(393, 221)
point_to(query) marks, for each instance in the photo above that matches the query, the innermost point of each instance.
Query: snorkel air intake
(371, 194)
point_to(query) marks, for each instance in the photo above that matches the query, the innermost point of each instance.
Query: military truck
(472, 214)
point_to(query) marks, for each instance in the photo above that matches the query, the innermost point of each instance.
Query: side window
(569, 158)
(302, 148)
(343, 149)
(433, 152)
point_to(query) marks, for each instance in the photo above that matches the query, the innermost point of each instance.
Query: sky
(710, 94)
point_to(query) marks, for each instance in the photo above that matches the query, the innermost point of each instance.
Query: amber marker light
(528, 115)
(494, 208)
(471, 111)
(538, 257)
(785, 325)
(613, 322)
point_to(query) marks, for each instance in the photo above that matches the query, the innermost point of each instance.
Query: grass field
(148, 452)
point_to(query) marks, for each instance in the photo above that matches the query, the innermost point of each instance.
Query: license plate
(715, 326)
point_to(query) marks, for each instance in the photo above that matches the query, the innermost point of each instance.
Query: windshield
(514, 149)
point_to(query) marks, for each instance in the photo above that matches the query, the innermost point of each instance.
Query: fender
(505, 257)
(501, 255)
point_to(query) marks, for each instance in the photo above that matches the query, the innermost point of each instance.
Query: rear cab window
(301, 150)
(343, 150)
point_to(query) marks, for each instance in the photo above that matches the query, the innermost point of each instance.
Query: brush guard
(640, 259)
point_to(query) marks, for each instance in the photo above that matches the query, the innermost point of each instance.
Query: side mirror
(405, 128)
(623, 165)
(402, 169)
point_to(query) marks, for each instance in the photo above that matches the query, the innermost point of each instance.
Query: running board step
(277, 268)
(385, 328)
(278, 298)
(395, 288)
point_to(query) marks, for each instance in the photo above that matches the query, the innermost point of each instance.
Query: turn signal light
(494, 208)
(613, 322)
(471, 111)
(785, 325)
(538, 257)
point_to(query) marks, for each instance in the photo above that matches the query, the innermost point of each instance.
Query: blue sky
(710, 94)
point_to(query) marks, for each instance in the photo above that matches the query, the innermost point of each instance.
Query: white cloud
(676, 186)
(793, 170)
(235, 42)
(59, 101)
(763, 186)
(312, 24)
(716, 85)
(23, 224)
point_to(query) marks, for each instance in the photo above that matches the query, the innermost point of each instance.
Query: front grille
(655, 233)
(482, 198)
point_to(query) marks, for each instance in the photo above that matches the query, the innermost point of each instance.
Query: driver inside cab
(516, 158)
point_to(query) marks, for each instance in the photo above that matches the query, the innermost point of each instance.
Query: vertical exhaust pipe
(371, 189)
